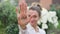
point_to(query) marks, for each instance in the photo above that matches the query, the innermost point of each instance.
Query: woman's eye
(28, 15)
(34, 16)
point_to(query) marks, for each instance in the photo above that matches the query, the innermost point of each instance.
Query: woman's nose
(32, 18)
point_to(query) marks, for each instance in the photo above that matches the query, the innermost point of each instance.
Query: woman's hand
(22, 16)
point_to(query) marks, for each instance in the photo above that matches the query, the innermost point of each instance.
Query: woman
(27, 19)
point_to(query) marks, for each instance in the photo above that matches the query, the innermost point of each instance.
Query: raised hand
(22, 16)
(23, 6)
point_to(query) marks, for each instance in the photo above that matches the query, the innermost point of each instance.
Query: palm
(22, 14)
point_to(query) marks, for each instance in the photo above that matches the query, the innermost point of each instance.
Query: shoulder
(29, 26)
(42, 31)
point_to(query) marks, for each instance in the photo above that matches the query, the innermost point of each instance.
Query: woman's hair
(36, 7)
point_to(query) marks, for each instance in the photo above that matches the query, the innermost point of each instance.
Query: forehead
(32, 12)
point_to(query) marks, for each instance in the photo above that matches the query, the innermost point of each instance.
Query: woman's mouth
(33, 21)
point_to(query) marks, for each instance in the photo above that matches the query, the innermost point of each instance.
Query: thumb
(16, 10)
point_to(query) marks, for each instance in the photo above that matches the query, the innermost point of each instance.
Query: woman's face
(34, 17)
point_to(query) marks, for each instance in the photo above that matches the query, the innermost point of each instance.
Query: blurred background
(8, 19)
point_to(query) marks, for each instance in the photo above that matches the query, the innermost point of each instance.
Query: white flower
(39, 22)
(56, 24)
(44, 26)
(53, 18)
(44, 15)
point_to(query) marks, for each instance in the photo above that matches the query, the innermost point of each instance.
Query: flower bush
(8, 17)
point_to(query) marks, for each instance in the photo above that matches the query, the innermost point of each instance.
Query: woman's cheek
(33, 20)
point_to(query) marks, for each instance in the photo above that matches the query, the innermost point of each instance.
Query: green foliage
(59, 25)
(12, 29)
(7, 13)
(58, 13)
(53, 7)
(52, 29)
(8, 18)
(56, 8)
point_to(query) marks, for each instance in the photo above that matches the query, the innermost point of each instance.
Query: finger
(21, 1)
(21, 8)
(17, 12)
(20, 4)
(24, 7)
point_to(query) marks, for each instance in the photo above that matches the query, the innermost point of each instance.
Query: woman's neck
(35, 27)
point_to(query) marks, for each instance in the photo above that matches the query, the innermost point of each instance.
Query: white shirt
(30, 30)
